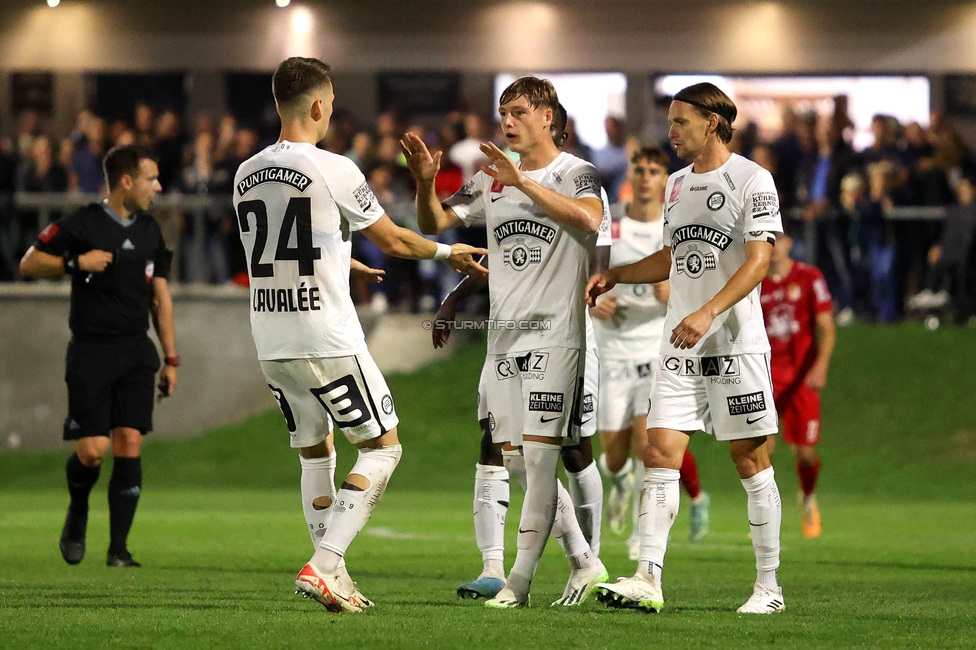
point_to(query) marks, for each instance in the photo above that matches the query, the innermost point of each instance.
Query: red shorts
(799, 411)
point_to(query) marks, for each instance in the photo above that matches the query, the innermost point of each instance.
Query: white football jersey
(634, 332)
(603, 238)
(296, 205)
(707, 220)
(539, 268)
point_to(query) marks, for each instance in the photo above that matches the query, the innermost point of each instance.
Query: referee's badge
(150, 269)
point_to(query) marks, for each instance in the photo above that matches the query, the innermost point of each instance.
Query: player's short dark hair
(559, 119)
(652, 154)
(708, 98)
(298, 76)
(121, 160)
(538, 92)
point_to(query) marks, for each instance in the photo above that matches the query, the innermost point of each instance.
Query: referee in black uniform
(119, 267)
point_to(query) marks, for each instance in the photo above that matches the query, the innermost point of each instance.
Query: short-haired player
(721, 216)
(799, 318)
(629, 323)
(542, 216)
(296, 206)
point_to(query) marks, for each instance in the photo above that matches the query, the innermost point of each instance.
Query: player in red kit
(800, 324)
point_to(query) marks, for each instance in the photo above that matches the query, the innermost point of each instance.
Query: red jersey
(790, 307)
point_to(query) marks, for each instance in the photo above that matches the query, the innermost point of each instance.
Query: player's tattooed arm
(432, 217)
(584, 214)
(826, 337)
(696, 324)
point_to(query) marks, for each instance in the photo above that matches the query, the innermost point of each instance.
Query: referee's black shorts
(111, 383)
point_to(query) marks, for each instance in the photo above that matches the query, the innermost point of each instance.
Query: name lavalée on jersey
(524, 227)
(289, 300)
(698, 232)
(291, 177)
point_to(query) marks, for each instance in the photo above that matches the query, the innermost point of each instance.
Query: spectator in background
(41, 171)
(361, 150)
(788, 151)
(874, 253)
(145, 126)
(86, 161)
(169, 149)
(821, 173)
(28, 128)
(466, 154)
(573, 145)
(8, 174)
(744, 140)
(611, 160)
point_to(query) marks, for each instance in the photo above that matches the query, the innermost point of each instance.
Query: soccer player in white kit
(721, 216)
(296, 207)
(629, 323)
(542, 218)
(491, 486)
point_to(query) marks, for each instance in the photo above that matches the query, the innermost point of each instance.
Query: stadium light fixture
(282, 3)
(53, 3)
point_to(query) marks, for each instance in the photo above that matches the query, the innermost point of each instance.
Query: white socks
(586, 490)
(491, 496)
(318, 494)
(538, 513)
(658, 508)
(568, 533)
(354, 507)
(765, 516)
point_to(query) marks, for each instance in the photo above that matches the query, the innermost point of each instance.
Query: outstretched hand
(598, 285)
(422, 164)
(506, 171)
(462, 260)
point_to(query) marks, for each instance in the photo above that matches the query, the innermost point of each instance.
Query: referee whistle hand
(598, 285)
(94, 261)
(167, 381)
(462, 260)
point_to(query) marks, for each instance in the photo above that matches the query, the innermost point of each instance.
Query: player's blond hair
(538, 92)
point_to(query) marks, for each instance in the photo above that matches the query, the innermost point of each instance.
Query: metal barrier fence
(200, 211)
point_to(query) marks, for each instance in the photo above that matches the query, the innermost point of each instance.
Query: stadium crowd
(838, 201)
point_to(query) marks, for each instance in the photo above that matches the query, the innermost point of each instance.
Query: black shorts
(111, 383)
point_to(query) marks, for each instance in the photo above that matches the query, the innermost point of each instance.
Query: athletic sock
(124, 489)
(618, 476)
(568, 533)
(81, 480)
(586, 489)
(689, 475)
(808, 476)
(318, 494)
(353, 507)
(538, 513)
(765, 515)
(491, 496)
(515, 465)
(639, 471)
(659, 506)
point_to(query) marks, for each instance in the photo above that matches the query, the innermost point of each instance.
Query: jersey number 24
(298, 217)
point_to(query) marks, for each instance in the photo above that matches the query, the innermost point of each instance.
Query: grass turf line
(221, 533)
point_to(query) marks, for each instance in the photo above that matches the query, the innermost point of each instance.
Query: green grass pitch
(221, 535)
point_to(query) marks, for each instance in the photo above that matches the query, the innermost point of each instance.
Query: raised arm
(402, 242)
(583, 214)
(432, 217)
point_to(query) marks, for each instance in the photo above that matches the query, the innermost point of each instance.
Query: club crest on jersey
(715, 201)
(283, 175)
(694, 262)
(521, 255)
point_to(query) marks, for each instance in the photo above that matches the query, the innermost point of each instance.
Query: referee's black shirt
(116, 301)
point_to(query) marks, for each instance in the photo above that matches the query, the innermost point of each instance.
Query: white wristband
(442, 253)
